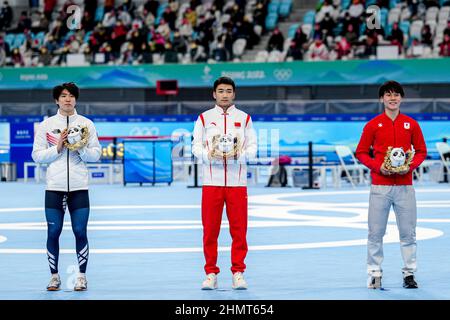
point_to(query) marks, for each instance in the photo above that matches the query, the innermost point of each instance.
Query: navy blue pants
(56, 203)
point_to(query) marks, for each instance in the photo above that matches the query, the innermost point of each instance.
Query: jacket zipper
(395, 143)
(225, 160)
(68, 185)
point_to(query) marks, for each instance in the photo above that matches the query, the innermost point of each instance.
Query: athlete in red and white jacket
(389, 189)
(224, 181)
(228, 172)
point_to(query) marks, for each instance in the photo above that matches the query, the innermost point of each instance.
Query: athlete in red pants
(224, 178)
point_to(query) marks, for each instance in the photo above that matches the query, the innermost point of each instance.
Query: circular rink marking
(276, 209)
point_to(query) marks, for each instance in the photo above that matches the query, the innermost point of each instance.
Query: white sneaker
(374, 282)
(81, 284)
(239, 282)
(55, 283)
(211, 282)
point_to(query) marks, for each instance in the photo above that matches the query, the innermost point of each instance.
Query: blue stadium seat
(99, 13)
(162, 7)
(39, 37)
(9, 39)
(370, 2)
(309, 17)
(345, 4)
(404, 26)
(384, 16)
(392, 3)
(86, 36)
(285, 9)
(292, 29)
(362, 28)
(273, 7)
(19, 40)
(271, 21)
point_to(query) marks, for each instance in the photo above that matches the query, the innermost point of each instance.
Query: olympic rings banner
(296, 73)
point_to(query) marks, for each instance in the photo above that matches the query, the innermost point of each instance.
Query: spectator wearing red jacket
(391, 129)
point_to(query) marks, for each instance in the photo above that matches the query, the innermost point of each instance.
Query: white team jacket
(230, 173)
(67, 170)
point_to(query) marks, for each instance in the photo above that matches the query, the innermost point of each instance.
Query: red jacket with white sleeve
(380, 133)
(230, 172)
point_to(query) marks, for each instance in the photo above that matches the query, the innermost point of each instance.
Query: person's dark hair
(69, 86)
(391, 86)
(224, 80)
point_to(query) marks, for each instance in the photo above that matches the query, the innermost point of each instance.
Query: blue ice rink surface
(146, 243)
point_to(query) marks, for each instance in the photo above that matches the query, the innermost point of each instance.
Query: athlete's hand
(62, 138)
(214, 155)
(385, 171)
(404, 171)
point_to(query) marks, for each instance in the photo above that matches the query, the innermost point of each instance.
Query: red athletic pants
(213, 199)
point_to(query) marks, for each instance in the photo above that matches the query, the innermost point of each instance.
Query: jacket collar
(71, 118)
(399, 116)
(220, 110)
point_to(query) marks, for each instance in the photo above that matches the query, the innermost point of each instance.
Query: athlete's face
(391, 100)
(224, 95)
(66, 103)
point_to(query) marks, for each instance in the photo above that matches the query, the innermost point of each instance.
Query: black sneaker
(409, 282)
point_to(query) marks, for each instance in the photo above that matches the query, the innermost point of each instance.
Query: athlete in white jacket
(224, 180)
(67, 179)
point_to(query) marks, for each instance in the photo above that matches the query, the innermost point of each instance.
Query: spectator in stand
(444, 46)
(6, 16)
(87, 22)
(16, 58)
(163, 29)
(129, 7)
(300, 38)
(109, 5)
(318, 51)
(317, 32)
(152, 6)
(370, 46)
(170, 17)
(356, 11)
(109, 19)
(45, 57)
(118, 36)
(124, 16)
(415, 50)
(24, 23)
(343, 48)
(294, 52)
(170, 55)
(412, 6)
(146, 54)
(179, 43)
(197, 52)
(4, 51)
(327, 24)
(33, 4)
(447, 30)
(351, 35)
(90, 6)
(220, 54)
(396, 37)
(326, 8)
(49, 6)
(276, 41)
(427, 37)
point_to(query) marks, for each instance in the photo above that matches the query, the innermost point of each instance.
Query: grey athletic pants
(403, 201)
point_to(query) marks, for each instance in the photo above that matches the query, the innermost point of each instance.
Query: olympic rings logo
(282, 74)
